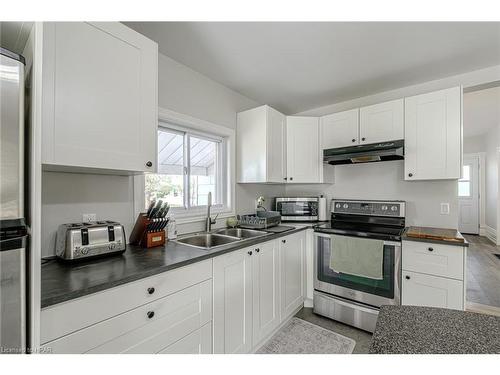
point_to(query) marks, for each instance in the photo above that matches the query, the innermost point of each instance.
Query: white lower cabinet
(256, 290)
(198, 342)
(266, 290)
(233, 302)
(293, 272)
(433, 275)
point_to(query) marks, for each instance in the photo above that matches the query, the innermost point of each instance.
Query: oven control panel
(372, 208)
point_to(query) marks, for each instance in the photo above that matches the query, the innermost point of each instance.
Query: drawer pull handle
(151, 290)
(430, 249)
(151, 314)
(407, 277)
(249, 253)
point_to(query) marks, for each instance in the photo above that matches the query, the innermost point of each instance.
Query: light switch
(445, 208)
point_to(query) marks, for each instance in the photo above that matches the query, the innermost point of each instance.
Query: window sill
(194, 217)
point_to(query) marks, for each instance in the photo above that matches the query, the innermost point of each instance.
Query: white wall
(67, 196)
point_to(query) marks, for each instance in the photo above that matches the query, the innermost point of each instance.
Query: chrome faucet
(209, 220)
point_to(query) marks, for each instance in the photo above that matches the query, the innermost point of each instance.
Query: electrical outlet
(445, 208)
(87, 218)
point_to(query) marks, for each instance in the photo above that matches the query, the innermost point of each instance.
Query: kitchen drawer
(197, 342)
(426, 290)
(147, 329)
(434, 259)
(67, 317)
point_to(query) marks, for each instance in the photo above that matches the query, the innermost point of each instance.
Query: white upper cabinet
(381, 122)
(340, 129)
(99, 97)
(304, 159)
(260, 145)
(433, 135)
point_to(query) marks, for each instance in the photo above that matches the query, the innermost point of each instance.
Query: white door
(340, 129)
(100, 107)
(233, 302)
(433, 135)
(303, 153)
(276, 148)
(468, 196)
(382, 122)
(292, 257)
(433, 291)
(266, 310)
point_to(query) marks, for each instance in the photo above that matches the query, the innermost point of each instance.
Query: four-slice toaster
(84, 240)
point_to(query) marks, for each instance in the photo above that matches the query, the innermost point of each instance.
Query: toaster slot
(111, 233)
(85, 236)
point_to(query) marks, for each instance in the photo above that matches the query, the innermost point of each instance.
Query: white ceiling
(481, 111)
(298, 66)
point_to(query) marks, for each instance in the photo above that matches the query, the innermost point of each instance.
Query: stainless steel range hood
(384, 151)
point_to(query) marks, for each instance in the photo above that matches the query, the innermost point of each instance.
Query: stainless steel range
(357, 261)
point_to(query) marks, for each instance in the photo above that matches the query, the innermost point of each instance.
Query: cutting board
(438, 234)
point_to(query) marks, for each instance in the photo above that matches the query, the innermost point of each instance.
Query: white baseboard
(308, 302)
(490, 233)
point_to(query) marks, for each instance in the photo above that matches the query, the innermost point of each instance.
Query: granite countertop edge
(51, 299)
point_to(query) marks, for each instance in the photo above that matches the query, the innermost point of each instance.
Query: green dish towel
(357, 256)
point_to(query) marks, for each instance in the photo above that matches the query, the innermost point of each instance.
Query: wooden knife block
(140, 236)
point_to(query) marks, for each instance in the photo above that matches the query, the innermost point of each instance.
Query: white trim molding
(490, 233)
(202, 126)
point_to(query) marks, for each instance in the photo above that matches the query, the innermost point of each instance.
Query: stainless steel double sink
(210, 240)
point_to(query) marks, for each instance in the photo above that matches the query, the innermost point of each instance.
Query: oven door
(297, 209)
(360, 289)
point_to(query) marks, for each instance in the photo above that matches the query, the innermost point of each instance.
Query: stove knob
(84, 251)
(346, 205)
(384, 208)
(394, 208)
(337, 205)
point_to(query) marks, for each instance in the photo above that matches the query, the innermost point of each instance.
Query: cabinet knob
(430, 249)
(407, 277)
(353, 140)
(283, 241)
(151, 314)
(291, 178)
(410, 174)
(249, 253)
(285, 178)
(363, 139)
(257, 250)
(149, 164)
(151, 290)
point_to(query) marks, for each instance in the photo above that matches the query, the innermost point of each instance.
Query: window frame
(191, 126)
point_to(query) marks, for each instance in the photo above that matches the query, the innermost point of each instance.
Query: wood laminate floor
(363, 339)
(483, 271)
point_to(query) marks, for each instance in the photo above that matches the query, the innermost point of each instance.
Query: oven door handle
(389, 243)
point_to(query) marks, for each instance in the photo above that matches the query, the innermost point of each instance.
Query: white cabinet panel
(433, 135)
(340, 129)
(198, 342)
(276, 147)
(233, 302)
(100, 97)
(434, 259)
(304, 158)
(292, 258)
(146, 329)
(266, 301)
(381, 122)
(426, 290)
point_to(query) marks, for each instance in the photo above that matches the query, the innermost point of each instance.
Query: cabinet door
(197, 342)
(266, 311)
(433, 135)
(233, 302)
(99, 97)
(276, 148)
(303, 153)
(426, 290)
(292, 259)
(381, 122)
(340, 129)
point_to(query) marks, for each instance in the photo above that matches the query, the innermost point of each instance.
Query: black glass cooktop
(382, 232)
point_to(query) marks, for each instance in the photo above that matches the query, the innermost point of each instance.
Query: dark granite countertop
(65, 281)
(429, 330)
(434, 233)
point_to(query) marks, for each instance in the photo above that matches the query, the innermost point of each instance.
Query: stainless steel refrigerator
(13, 230)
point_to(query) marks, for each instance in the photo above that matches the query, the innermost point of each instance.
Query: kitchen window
(190, 165)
